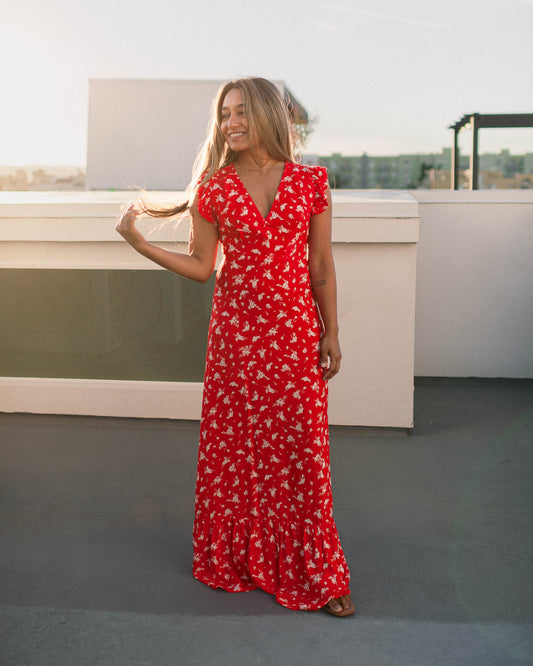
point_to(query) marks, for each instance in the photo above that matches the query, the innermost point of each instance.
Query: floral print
(263, 504)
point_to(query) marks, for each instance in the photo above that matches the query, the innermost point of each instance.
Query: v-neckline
(278, 190)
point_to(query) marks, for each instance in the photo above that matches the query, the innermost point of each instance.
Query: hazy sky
(382, 76)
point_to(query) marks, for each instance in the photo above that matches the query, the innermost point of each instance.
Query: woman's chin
(239, 146)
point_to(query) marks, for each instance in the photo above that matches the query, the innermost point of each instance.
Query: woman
(263, 506)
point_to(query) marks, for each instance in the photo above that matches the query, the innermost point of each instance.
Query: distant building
(488, 180)
(146, 133)
(496, 180)
(381, 172)
(42, 178)
(427, 171)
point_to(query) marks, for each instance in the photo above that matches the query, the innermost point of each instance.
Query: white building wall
(374, 244)
(146, 133)
(474, 295)
(474, 287)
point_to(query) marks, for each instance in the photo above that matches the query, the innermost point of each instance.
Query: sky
(381, 76)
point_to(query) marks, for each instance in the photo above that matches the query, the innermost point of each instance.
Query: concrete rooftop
(96, 520)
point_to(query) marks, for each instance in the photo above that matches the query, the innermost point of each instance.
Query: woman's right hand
(198, 264)
(126, 224)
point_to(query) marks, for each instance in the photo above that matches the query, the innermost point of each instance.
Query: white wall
(474, 295)
(147, 132)
(374, 244)
(474, 288)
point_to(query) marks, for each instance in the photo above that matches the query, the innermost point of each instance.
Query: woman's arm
(197, 265)
(324, 285)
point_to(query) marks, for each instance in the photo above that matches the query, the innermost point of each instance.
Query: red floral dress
(263, 505)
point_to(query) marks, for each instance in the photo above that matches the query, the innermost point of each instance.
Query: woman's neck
(256, 162)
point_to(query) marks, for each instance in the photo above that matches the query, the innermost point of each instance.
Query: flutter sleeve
(206, 201)
(320, 179)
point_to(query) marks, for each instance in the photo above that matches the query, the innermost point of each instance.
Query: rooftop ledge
(88, 218)
(359, 216)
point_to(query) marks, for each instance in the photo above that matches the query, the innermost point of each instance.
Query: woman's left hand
(330, 355)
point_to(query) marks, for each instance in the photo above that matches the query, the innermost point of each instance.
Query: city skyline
(381, 78)
(501, 170)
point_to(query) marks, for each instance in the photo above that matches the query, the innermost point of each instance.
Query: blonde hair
(268, 119)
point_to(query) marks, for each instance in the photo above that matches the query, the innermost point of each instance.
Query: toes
(340, 605)
(346, 602)
(335, 605)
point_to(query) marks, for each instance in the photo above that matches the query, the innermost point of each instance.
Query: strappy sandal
(344, 612)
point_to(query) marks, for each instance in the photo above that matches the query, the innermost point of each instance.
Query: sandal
(344, 612)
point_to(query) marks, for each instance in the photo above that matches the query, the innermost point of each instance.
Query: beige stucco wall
(474, 286)
(374, 243)
(376, 318)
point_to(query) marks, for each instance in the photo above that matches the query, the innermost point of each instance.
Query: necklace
(262, 169)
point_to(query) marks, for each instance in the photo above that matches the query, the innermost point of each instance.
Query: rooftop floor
(96, 556)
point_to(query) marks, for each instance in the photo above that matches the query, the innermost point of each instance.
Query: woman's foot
(340, 606)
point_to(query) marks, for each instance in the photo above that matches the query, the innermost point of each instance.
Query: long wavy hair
(268, 118)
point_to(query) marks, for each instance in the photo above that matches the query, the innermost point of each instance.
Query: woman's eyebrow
(226, 108)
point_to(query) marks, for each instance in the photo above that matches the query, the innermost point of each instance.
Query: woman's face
(233, 123)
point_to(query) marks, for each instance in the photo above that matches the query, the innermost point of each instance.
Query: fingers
(129, 211)
(128, 215)
(330, 359)
(334, 367)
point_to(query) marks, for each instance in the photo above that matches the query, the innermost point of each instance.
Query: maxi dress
(263, 502)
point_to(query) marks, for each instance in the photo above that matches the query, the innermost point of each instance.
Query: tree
(302, 132)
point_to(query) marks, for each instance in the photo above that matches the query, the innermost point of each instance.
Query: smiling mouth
(236, 135)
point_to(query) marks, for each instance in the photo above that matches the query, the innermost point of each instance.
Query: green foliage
(302, 132)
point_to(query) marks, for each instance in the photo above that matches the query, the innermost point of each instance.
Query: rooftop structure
(477, 121)
(91, 327)
(146, 132)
